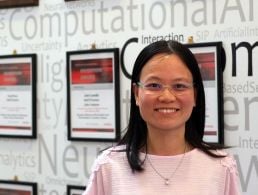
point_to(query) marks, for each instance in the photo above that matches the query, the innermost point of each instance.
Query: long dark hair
(136, 136)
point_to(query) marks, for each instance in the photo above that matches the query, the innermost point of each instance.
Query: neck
(166, 145)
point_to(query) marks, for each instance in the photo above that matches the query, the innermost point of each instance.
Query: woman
(163, 151)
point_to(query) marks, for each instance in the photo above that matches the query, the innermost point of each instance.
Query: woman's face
(165, 108)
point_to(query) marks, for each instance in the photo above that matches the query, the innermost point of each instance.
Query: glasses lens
(156, 88)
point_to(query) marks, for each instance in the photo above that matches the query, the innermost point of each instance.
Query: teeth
(167, 110)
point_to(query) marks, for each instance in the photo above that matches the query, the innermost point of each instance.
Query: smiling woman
(18, 3)
(163, 150)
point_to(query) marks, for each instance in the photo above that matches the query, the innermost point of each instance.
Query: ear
(136, 92)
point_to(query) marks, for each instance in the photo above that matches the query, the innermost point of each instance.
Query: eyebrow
(174, 80)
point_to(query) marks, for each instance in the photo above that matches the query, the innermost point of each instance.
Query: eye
(181, 86)
(153, 86)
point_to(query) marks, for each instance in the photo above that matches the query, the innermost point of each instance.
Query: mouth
(166, 110)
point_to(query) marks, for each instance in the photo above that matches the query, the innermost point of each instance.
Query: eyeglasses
(178, 88)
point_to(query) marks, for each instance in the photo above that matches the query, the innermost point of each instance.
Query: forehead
(166, 66)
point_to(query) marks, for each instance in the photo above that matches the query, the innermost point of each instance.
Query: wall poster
(93, 95)
(75, 190)
(17, 187)
(211, 59)
(18, 3)
(18, 96)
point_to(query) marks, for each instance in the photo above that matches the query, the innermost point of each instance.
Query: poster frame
(213, 110)
(106, 63)
(23, 81)
(18, 3)
(19, 187)
(75, 190)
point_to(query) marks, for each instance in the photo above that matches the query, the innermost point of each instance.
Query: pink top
(198, 174)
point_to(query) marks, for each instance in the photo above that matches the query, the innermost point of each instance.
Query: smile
(166, 110)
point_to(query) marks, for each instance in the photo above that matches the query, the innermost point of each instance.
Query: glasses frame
(163, 87)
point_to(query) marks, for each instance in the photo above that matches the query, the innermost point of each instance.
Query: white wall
(56, 27)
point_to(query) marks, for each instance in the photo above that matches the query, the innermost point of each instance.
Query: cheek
(145, 104)
(189, 102)
(144, 99)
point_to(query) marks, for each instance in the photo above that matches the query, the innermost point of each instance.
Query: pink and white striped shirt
(198, 174)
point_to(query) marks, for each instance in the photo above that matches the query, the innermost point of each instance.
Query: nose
(167, 95)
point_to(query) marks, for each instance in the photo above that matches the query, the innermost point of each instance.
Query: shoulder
(226, 162)
(110, 156)
(113, 151)
(104, 168)
(229, 163)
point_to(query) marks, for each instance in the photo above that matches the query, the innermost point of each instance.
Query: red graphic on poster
(206, 62)
(92, 71)
(15, 127)
(14, 192)
(15, 74)
(92, 130)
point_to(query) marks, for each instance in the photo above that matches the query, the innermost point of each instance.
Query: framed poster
(18, 3)
(211, 60)
(19, 188)
(18, 114)
(93, 95)
(75, 190)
